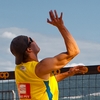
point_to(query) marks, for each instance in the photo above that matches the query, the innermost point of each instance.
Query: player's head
(19, 46)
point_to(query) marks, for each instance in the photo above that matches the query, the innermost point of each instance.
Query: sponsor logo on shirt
(22, 68)
(24, 90)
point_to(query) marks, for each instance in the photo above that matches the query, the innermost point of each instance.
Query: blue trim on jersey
(48, 90)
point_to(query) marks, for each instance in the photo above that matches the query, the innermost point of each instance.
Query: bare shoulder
(45, 67)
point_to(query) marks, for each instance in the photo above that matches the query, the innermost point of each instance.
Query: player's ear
(28, 50)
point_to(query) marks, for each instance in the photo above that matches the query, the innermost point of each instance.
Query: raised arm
(49, 64)
(71, 46)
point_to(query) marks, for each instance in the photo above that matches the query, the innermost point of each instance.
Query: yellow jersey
(31, 87)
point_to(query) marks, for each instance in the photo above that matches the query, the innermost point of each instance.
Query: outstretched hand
(54, 19)
(78, 70)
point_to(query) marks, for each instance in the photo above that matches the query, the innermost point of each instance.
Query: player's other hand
(78, 70)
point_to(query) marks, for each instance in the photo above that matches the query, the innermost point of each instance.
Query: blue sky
(29, 17)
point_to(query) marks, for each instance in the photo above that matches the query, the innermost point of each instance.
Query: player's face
(33, 45)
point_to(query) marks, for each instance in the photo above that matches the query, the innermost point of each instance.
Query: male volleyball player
(34, 79)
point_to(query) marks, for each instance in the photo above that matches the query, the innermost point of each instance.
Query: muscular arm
(71, 46)
(47, 65)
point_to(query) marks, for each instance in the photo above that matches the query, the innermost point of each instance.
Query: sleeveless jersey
(31, 87)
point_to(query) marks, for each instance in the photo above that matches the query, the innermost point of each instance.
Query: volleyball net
(78, 87)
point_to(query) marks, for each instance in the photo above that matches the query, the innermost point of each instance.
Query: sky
(29, 17)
